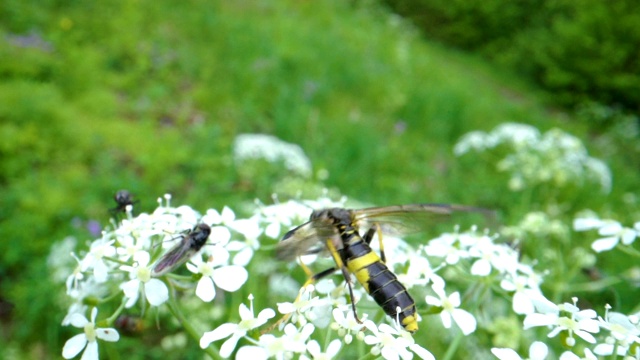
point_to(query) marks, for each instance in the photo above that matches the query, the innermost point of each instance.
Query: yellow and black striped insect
(337, 231)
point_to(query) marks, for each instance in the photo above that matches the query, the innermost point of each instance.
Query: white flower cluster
(554, 157)
(272, 149)
(314, 304)
(620, 334)
(123, 259)
(617, 334)
(389, 342)
(120, 265)
(612, 232)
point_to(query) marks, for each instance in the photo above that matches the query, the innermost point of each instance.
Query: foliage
(149, 96)
(578, 51)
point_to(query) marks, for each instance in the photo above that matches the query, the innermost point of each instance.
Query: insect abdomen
(381, 283)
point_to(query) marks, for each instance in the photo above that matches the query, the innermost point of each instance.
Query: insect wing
(173, 258)
(304, 240)
(407, 219)
(189, 245)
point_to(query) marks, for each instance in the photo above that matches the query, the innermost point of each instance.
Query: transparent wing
(176, 256)
(408, 219)
(304, 240)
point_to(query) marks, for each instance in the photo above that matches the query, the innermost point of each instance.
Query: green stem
(629, 250)
(453, 347)
(111, 319)
(592, 286)
(117, 261)
(175, 311)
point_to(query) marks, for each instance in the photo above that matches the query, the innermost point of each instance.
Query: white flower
(445, 247)
(74, 345)
(581, 323)
(227, 277)
(588, 355)
(537, 351)
(297, 338)
(94, 259)
(392, 343)
(526, 295)
(226, 217)
(621, 327)
(272, 149)
(236, 331)
(155, 291)
(449, 305)
(490, 256)
(316, 354)
(293, 341)
(251, 230)
(345, 325)
(419, 273)
(623, 330)
(613, 233)
(585, 224)
(301, 305)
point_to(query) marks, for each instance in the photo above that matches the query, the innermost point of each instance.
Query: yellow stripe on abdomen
(358, 266)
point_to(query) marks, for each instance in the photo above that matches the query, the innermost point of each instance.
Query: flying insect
(190, 244)
(123, 198)
(337, 231)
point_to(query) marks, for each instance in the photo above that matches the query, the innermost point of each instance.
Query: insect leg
(369, 236)
(345, 274)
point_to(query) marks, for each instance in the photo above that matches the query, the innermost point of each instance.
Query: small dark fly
(337, 232)
(122, 198)
(190, 244)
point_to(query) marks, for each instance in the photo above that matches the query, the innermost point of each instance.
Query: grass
(148, 96)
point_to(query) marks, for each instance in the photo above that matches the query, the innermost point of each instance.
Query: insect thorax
(336, 216)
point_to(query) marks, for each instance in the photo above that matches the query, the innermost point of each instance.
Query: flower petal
(243, 256)
(77, 320)
(156, 292)
(220, 235)
(230, 278)
(218, 333)
(522, 305)
(333, 348)
(538, 350)
(265, 315)
(465, 321)
(389, 353)
(252, 352)
(481, 267)
(229, 345)
(423, 353)
(91, 352)
(73, 346)
(505, 354)
(205, 289)
(604, 244)
(583, 224)
(107, 334)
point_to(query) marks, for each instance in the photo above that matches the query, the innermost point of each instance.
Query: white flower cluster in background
(611, 232)
(555, 157)
(272, 149)
(612, 335)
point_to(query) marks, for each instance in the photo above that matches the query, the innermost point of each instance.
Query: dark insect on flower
(122, 198)
(190, 244)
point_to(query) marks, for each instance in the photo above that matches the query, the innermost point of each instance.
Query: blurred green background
(149, 96)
